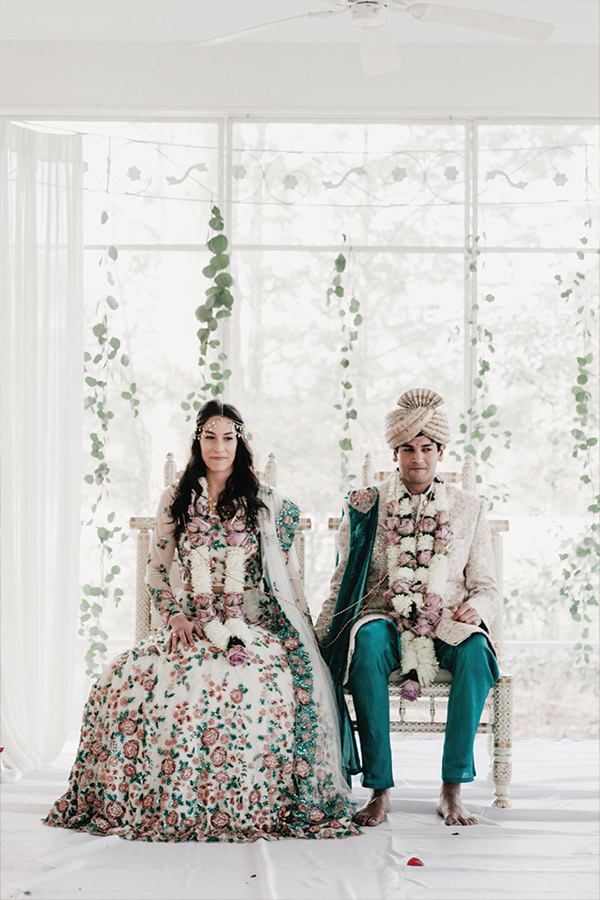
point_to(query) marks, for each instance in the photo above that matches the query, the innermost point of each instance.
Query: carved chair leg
(502, 751)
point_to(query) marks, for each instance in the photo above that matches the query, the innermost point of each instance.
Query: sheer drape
(41, 253)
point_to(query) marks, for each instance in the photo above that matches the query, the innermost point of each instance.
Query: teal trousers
(377, 653)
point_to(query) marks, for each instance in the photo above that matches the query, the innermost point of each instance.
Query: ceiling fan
(376, 43)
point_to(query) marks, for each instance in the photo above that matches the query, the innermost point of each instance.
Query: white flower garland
(219, 632)
(405, 571)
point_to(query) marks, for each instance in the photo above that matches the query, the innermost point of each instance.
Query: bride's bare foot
(451, 808)
(375, 810)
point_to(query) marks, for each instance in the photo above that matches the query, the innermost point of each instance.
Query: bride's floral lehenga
(205, 744)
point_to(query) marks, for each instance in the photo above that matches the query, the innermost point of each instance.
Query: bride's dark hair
(241, 488)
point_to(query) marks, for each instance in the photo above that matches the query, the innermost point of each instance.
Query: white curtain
(41, 261)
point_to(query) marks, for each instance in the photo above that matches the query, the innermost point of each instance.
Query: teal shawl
(363, 526)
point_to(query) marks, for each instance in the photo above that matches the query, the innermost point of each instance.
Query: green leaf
(344, 363)
(358, 320)
(209, 271)
(103, 217)
(220, 262)
(124, 360)
(351, 414)
(489, 298)
(218, 244)
(99, 329)
(345, 444)
(224, 280)
(203, 314)
(113, 252)
(112, 302)
(89, 479)
(354, 305)
(489, 412)
(340, 263)
(486, 453)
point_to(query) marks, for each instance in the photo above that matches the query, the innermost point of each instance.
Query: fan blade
(319, 14)
(378, 52)
(483, 21)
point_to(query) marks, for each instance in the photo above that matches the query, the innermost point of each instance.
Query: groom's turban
(417, 412)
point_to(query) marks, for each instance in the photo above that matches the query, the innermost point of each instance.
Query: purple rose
(405, 559)
(428, 525)
(391, 523)
(198, 525)
(236, 525)
(443, 533)
(440, 546)
(237, 654)
(401, 587)
(392, 537)
(236, 538)
(442, 517)
(406, 526)
(424, 557)
(434, 601)
(423, 628)
(411, 690)
(393, 508)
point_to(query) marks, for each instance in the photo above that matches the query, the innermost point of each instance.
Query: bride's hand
(183, 631)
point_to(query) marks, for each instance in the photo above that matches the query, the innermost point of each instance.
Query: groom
(414, 590)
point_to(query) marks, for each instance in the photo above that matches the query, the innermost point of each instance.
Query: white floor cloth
(545, 846)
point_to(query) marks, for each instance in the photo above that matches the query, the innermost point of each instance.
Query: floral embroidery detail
(287, 523)
(179, 747)
(363, 500)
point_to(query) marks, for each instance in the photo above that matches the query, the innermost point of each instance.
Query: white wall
(280, 79)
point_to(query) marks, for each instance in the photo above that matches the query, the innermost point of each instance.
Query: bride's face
(218, 445)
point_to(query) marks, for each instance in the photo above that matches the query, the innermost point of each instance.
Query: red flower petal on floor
(414, 861)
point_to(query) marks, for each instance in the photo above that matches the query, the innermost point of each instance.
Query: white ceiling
(575, 21)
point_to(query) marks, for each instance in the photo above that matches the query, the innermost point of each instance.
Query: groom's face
(418, 459)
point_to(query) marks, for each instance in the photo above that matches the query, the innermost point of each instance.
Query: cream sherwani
(471, 570)
(373, 645)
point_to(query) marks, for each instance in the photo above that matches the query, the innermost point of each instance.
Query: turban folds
(417, 412)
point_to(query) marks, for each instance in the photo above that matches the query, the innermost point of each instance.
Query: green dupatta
(363, 526)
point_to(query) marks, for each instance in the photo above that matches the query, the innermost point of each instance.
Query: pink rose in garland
(405, 527)
(411, 689)
(237, 654)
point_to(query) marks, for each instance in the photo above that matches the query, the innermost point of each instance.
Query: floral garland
(417, 563)
(231, 634)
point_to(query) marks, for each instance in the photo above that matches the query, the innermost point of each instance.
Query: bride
(222, 725)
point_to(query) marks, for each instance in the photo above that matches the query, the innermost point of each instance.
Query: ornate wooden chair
(427, 714)
(146, 617)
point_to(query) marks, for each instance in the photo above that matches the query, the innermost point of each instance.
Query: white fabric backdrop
(41, 253)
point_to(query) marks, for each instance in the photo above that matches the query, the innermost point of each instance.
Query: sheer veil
(280, 577)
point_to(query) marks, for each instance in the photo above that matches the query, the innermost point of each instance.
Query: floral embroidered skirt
(185, 746)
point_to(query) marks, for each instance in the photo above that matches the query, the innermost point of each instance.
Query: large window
(461, 238)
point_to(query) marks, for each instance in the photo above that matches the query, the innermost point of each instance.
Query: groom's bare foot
(375, 810)
(451, 807)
